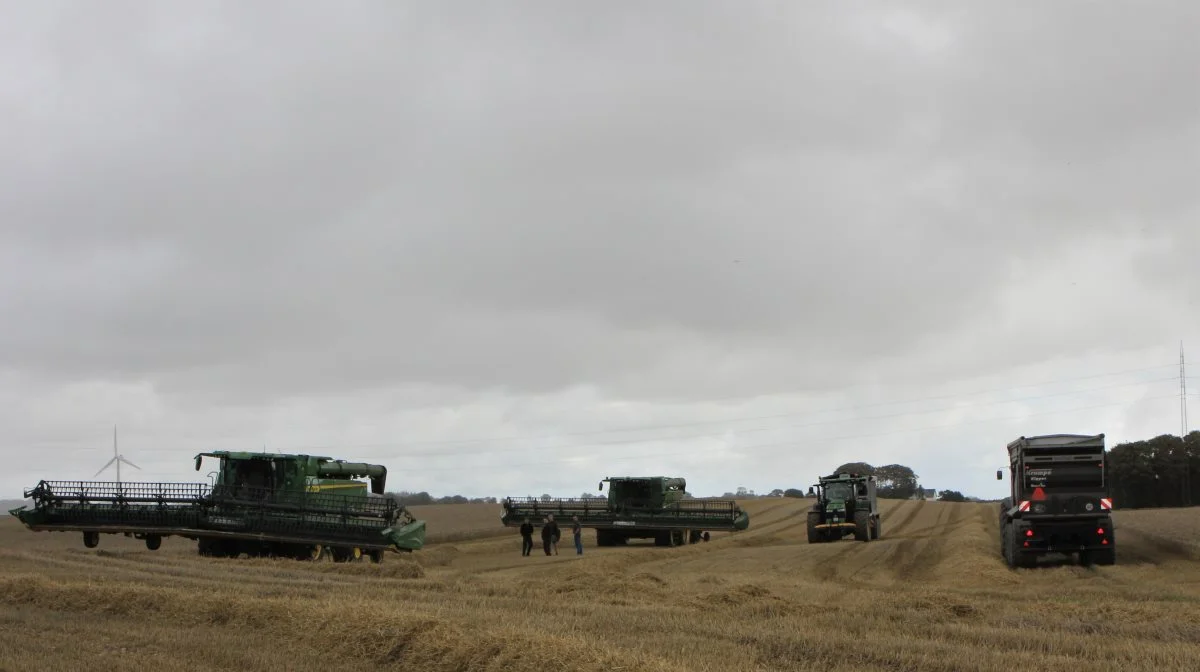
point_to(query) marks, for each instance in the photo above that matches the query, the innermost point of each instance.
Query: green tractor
(845, 503)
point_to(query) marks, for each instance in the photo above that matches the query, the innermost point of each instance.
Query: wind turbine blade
(106, 466)
(129, 463)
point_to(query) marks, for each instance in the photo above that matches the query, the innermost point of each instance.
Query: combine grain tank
(1059, 500)
(259, 504)
(637, 507)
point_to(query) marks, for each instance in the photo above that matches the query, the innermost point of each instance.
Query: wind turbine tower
(117, 459)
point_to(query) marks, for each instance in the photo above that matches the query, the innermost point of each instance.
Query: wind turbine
(117, 459)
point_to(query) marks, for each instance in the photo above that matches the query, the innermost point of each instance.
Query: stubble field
(933, 594)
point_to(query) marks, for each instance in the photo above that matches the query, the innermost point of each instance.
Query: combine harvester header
(637, 507)
(260, 504)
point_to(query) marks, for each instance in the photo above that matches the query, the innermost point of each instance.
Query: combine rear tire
(862, 526)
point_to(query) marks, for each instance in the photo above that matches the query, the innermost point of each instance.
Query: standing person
(577, 532)
(549, 533)
(526, 537)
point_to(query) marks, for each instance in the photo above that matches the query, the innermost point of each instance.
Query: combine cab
(1059, 501)
(260, 504)
(649, 507)
(845, 503)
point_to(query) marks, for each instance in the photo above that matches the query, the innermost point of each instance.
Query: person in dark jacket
(550, 534)
(577, 532)
(526, 537)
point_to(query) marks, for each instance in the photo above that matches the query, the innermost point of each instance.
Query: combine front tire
(877, 531)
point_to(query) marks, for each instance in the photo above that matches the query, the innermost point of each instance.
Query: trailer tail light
(1105, 504)
(1029, 533)
(1027, 544)
(1104, 542)
(1038, 495)
(1100, 531)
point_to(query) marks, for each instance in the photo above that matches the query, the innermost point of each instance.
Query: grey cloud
(239, 204)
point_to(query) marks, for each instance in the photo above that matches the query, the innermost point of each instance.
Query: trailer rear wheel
(153, 542)
(91, 539)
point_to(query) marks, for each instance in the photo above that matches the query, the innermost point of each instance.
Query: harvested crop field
(933, 594)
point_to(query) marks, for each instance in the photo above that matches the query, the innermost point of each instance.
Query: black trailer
(1059, 501)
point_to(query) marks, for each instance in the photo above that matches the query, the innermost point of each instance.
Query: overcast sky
(512, 248)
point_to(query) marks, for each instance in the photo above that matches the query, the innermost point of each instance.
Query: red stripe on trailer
(1106, 503)
(1023, 506)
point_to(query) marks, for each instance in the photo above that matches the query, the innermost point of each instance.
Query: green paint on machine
(645, 507)
(258, 504)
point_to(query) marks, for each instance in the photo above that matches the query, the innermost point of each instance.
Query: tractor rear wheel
(862, 526)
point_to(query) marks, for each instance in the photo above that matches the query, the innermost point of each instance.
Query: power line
(793, 444)
(709, 434)
(639, 428)
(775, 447)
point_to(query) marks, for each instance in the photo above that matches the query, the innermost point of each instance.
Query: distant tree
(855, 468)
(895, 481)
(1160, 472)
(951, 496)
(777, 492)
(793, 492)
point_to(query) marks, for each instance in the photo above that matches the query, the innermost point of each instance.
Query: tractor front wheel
(814, 533)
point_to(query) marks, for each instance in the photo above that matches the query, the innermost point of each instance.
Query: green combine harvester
(637, 507)
(845, 503)
(259, 504)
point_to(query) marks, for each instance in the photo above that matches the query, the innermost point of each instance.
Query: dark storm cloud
(253, 202)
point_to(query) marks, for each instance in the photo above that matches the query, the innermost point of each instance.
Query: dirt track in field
(932, 594)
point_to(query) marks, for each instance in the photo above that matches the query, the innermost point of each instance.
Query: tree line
(1155, 473)
(1160, 472)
